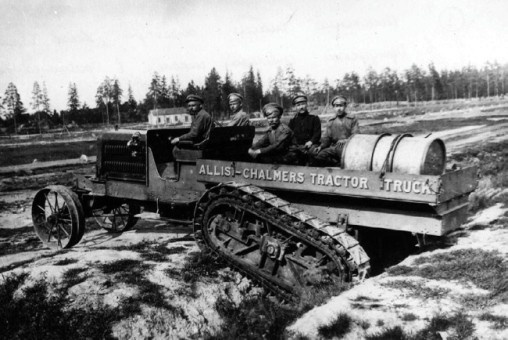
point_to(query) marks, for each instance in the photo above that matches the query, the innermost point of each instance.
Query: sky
(83, 41)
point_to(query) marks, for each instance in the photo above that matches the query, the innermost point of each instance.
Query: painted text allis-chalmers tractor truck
(287, 227)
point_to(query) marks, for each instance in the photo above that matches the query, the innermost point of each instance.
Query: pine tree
(155, 90)
(104, 95)
(73, 101)
(251, 101)
(12, 104)
(436, 85)
(45, 98)
(259, 91)
(132, 102)
(226, 89)
(116, 95)
(212, 93)
(36, 103)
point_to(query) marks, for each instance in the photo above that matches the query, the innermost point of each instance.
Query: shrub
(340, 326)
(253, 318)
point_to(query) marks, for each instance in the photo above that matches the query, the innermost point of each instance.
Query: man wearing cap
(240, 118)
(306, 129)
(337, 131)
(201, 121)
(274, 144)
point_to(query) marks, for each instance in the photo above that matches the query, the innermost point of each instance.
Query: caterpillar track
(278, 245)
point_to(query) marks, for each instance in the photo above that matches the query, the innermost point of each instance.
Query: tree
(292, 84)
(45, 99)
(309, 85)
(436, 84)
(227, 88)
(371, 81)
(325, 90)
(175, 92)
(278, 87)
(73, 101)
(164, 100)
(259, 92)
(130, 99)
(155, 90)
(104, 95)
(251, 100)
(212, 95)
(131, 105)
(12, 104)
(415, 83)
(37, 102)
(116, 95)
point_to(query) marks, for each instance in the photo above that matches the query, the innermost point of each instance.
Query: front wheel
(58, 217)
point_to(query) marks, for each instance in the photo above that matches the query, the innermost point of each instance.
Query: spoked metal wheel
(58, 217)
(117, 219)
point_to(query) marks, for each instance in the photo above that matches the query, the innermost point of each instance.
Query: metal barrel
(359, 151)
(420, 156)
(395, 153)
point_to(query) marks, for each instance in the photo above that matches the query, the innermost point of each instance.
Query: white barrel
(395, 153)
(420, 156)
(358, 151)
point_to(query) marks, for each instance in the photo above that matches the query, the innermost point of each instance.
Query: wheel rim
(117, 219)
(57, 217)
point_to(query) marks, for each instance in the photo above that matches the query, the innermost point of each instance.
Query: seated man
(274, 144)
(201, 121)
(240, 118)
(135, 146)
(337, 131)
(306, 129)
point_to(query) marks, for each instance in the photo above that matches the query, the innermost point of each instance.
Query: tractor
(287, 227)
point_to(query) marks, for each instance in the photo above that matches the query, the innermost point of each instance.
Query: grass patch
(40, 315)
(409, 317)
(500, 322)
(460, 323)
(340, 326)
(318, 295)
(254, 318)
(160, 252)
(65, 262)
(481, 267)
(399, 270)
(72, 276)
(477, 266)
(153, 250)
(394, 333)
(418, 289)
(201, 264)
(18, 240)
(126, 266)
(132, 272)
(459, 326)
(492, 162)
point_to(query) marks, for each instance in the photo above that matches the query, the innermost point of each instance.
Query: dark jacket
(274, 141)
(200, 127)
(306, 128)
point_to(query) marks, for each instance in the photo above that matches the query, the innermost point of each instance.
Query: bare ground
(176, 297)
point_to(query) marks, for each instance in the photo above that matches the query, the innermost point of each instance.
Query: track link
(334, 245)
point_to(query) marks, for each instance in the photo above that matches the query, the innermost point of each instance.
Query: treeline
(114, 106)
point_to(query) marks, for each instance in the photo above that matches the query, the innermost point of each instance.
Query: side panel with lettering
(392, 186)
